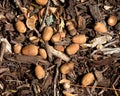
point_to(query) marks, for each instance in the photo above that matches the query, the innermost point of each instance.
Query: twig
(43, 22)
(97, 87)
(114, 85)
(56, 77)
(2, 51)
(2, 70)
(57, 53)
(25, 59)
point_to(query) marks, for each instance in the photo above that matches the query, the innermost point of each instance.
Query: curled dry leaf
(39, 72)
(58, 53)
(30, 22)
(88, 79)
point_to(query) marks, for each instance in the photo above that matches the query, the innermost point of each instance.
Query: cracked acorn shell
(88, 79)
(39, 72)
(30, 50)
(20, 26)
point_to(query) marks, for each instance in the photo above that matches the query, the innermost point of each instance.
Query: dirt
(17, 71)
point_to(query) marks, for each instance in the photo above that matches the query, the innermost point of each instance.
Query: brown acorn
(72, 49)
(88, 79)
(42, 52)
(79, 39)
(112, 20)
(39, 72)
(56, 38)
(100, 27)
(20, 26)
(41, 2)
(47, 33)
(30, 50)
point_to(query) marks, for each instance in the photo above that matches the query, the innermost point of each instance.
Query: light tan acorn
(30, 50)
(100, 27)
(112, 20)
(39, 72)
(88, 79)
(47, 33)
(20, 26)
(72, 49)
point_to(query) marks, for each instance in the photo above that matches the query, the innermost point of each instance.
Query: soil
(17, 71)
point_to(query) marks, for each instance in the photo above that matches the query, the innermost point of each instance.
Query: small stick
(58, 53)
(2, 51)
(56, 77)
(43, 22)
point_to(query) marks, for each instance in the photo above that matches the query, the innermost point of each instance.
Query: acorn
(67, 68)
(20, 26)
(59, 48)
(100, 27)
(39, 72)
(42, 52)
(30, 50)
(17, 48)
(41, 2)
(88, 79)
(79, 39)
(56, 38)
(112, 20)
(72, 49)
(47, 33)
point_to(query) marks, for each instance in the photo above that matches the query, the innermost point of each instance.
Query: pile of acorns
(49, 35)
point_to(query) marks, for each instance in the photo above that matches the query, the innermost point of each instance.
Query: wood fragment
(26, 59)
(2, 51)
(58, 53)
